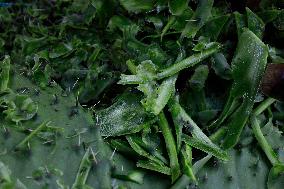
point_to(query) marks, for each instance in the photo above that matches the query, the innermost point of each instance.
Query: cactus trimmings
(17, 107)
(138, 94)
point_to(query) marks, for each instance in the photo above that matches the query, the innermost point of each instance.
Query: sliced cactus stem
(22, 144)
(271, 155)
(83, 171)
(5, 74)
(263, 105)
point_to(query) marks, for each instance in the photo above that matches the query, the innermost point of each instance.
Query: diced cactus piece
(125, 116)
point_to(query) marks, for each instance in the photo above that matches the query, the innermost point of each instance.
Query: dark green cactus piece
(17, 107)
(136, 176)
(53, 149)
(247, 168)
(186, 160)
(125, 116)
(4, 73)
(132, 140)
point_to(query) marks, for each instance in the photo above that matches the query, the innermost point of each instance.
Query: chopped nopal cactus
(17, 107)
(139, 94)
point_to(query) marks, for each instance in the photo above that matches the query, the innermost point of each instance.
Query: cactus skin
(276, 140)
(41, 163)
(247, 168)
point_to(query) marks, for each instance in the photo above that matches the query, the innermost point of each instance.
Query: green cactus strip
(198, 139)
(189, 62)
(184, 180)
(263, 106)
(138, 149)
(263, 142)
(248, 66)
(23, 144)
(186, 160)
(5, 73)
(83, 171)
(171, 146)
(151, 165)
(196, 143)
(275, 177)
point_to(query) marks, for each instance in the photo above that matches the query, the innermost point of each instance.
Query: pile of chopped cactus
(138, 94)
